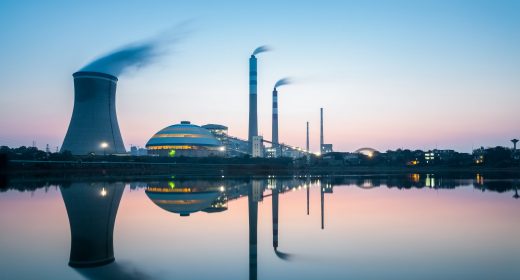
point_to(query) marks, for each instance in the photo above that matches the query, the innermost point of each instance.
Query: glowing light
(172, 185)
(103, 192)
(222, 189)
(171, 153)
(222, 149)
(104, 145)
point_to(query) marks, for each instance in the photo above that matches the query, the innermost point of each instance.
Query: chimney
(275, 118)
(307, 144)
(253, 115)
(321, 130)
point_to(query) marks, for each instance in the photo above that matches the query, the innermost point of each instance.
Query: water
(356, 227)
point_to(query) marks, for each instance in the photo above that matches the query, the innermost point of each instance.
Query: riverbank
(216, 169)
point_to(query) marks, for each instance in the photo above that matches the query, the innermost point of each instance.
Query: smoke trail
(283, 82)
(261, 49)
(136, 55)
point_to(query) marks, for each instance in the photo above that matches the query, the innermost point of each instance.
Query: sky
(389, 74)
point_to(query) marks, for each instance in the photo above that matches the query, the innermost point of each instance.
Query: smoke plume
(137, 55)
(261, 49)
(283, 82)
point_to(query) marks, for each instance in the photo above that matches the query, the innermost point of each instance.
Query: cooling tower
(93, 127)
(275, 119)
(253, 115)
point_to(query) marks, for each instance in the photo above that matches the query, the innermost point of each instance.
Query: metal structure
(93, 127)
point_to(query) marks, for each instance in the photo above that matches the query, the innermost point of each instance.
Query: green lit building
(185, 139)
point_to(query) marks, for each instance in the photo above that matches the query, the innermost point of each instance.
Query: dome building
(185, 139)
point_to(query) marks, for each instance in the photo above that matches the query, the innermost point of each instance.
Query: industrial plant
(94, 130)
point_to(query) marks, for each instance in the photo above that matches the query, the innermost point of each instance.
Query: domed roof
(184, 133)
(183, 203)
(366, 151)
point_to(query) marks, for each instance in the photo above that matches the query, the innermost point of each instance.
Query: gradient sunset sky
(390, 74)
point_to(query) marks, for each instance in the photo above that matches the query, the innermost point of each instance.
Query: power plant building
(185, 139)
(93, 128)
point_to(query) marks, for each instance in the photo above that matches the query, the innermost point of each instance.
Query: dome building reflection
(185, 198)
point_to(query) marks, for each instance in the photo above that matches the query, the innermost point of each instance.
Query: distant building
(270, 152)
(439, 155)
(478, 155)
(185, 139)
(429, 157)
(137, 151)
(327, 148)
(219, 131)
(258, 146)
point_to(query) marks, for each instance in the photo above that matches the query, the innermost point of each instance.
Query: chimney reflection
(277, 188)
(322, 196)
(275, 197)
(254, 196)
(308, 186)
(92, 209)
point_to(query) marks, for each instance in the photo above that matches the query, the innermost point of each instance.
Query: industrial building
(93, 128)
(185, 139)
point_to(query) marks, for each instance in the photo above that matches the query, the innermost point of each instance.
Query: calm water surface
(356, 227)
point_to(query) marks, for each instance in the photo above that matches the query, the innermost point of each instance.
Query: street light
(104, 145)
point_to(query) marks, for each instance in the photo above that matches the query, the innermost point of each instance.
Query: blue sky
(390, 74)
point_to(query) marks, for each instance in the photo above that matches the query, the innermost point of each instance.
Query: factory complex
(94, 129)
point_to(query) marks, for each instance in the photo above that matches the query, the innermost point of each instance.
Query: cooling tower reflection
(92, 210)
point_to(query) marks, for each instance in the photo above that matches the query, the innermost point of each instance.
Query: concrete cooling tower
(93, 127)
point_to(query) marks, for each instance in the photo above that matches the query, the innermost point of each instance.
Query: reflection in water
(253, 197)
(115, 270)
(187, 197)
(276, 188)
(92, 210)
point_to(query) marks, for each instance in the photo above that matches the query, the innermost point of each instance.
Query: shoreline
(112, 168)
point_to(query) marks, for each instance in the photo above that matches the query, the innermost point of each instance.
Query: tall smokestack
(321, 130)
(253, 115)
(275, 118)
(93, 127)
(307, 144)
